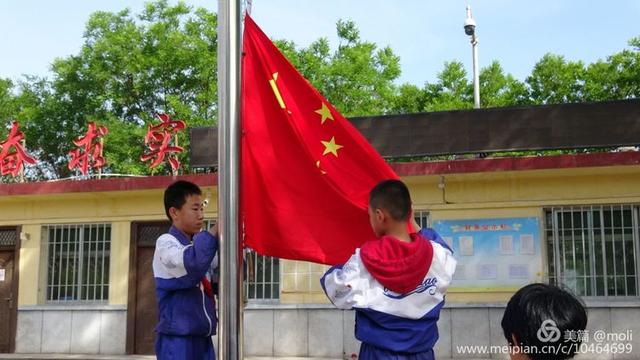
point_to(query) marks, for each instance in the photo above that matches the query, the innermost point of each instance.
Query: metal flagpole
(230, 307)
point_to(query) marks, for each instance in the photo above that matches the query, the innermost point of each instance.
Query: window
(263, 277)
(8, 237)
(422, 218)
(77, 262)
(262, 281)
(594, 249)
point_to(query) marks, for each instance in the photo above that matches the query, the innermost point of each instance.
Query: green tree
(7, 101)
(48, 126)
(452, 91)
(409, 99)
(130, 68)
(627, 62)
(555, 80)
(617, 77)
(600, 82)
(498, 89)
(163, 61)
(133, 66)
(357, 78)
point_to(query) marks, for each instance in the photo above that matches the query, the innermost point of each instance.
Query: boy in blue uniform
(183, 264)
(396, 283)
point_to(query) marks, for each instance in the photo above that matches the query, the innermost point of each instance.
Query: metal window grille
(78, 261)
(8, 237)
(422, 218)
(593, 250)
(263, 277)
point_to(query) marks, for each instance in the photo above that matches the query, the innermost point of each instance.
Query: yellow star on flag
(325, 113)
(331, 146)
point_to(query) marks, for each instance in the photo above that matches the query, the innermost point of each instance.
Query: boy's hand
(213, 230)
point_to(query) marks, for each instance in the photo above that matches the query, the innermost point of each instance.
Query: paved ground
(75, 357)
(120, 357)
(128, 357)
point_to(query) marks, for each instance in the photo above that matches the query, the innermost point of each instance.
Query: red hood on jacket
(398, 265)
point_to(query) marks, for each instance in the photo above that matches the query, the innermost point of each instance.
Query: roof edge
(567, 161)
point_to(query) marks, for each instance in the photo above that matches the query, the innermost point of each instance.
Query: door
(8, 287)
(7, 300)
(146, 303)
(143, 306)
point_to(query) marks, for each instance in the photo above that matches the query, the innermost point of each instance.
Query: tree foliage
(358, 78)
(130, 68)
(163, 60)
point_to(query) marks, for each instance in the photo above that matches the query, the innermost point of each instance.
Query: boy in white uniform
(396, 283)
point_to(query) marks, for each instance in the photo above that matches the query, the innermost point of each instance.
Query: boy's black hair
(534, 304)
(392, 196)
(176, 195)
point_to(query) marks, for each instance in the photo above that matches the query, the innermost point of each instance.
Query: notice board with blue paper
(493, 254)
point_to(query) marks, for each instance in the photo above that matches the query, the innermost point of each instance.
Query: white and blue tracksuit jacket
(179, 266)
(389, 321)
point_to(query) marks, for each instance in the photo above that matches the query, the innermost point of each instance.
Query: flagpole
(230, 307)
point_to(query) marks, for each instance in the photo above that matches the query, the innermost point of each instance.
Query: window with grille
(77, 262)
(422, 218)
(8, 237)
(263, 277)
(593, 250)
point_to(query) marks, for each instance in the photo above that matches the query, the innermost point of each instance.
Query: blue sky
(424, 33)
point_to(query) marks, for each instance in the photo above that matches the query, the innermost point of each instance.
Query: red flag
(306, 172)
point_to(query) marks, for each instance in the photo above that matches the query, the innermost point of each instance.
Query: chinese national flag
(306, 172)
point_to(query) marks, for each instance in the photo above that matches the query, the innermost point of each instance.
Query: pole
(476, 75)
(230, 308)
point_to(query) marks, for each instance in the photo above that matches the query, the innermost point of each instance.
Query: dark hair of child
(176, 195)
(531, 306)
(392, 196)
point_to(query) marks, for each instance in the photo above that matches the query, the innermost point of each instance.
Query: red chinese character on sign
(158, 141)
(88, 145)
(12, 155)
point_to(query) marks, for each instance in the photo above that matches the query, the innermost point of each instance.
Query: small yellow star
(331, 146)
(325, 113)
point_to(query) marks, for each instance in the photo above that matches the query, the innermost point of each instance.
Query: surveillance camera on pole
(470, 30)
(469, 23)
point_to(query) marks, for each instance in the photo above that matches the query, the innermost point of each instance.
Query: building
(78, 256)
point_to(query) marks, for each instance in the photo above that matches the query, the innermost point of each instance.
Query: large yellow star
(331, 146)
(325, 113)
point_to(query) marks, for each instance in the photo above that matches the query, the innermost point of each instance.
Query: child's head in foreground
(389, 206)
(184, 207)
(541, 316)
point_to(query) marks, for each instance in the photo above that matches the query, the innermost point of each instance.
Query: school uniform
(397, 290)
(186, 304)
